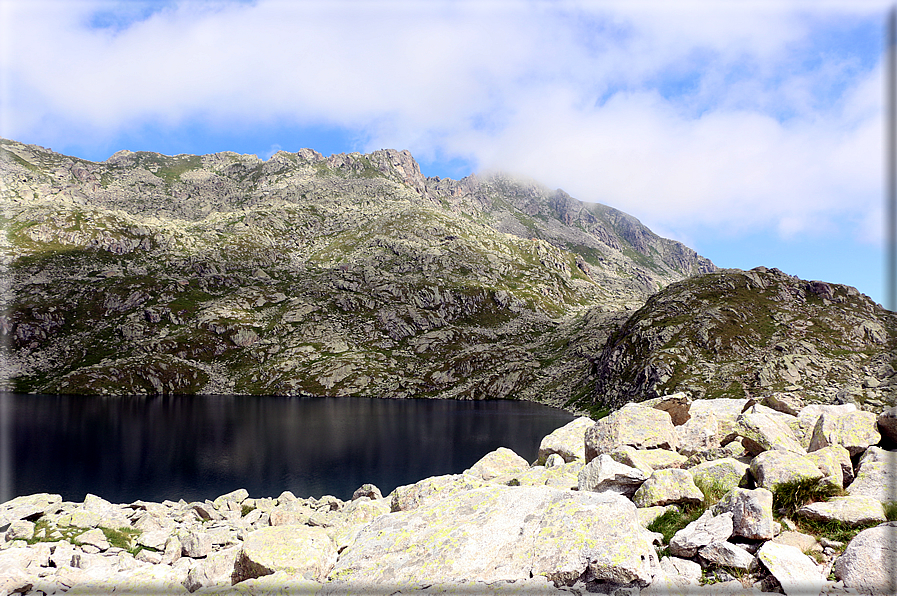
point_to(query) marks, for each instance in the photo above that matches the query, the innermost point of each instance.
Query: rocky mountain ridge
(356, 275)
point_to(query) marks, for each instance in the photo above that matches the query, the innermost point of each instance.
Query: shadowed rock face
(347, 275)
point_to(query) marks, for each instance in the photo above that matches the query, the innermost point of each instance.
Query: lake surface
(199, 447)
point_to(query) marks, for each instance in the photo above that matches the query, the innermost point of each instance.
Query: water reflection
(198, 447)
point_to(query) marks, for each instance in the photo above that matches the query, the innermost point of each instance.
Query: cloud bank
(728, 115)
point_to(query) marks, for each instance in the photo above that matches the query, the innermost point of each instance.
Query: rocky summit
(305, 275)
(356, 275)
(710, 497)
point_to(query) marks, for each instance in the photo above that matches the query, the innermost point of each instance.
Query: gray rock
(761, 432)
(556, 459)
(700, 433)
(633, 425)
(20, 530)
(751, 512)
(648, 460)
(665, 487)
(855, 431)
(435, 488)
(95, 538)
(706, 529)
(216, 570)
(496, 463)
(237, 496)
(850, 510)
(788, 403)
(726, 554)
(367, 490)
(504, 534)
(867, 562)
(834, 462)
(727, 473)
(774, 467)
(726, 412)
(689, 571)
(887, 424)
(196, 544)
(605, 474)
(298, 550)
(567, 441)
(28, 506)
(795, 571)
(875, 479)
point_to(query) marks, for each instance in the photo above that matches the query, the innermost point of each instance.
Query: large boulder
(887, 424)
(435, 488)
(751, 512)
(648, 460)
(855, 431)
(725, 410)
(298, 550)
(563, 476)
(705, 530)
(762, 431)
(795, 571)
(498, 462)
(809, 415)
(28, 506)
(876, 479)
(700, 433)
(502, 534)
(666, 487)
(850, 510)
(834, 462)
(775, 467)
(726, 554)
(567, 441)
(215, 570)
(604, 474)
(726, 473)
(633, 425)
(867, 564)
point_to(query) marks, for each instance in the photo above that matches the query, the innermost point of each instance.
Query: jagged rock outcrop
(304, 275)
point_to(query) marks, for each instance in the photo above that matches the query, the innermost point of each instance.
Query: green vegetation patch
(788, 497)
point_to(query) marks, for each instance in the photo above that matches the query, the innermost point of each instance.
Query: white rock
(567, 441)
(604, 474)
(795, 571)
(701, 532)
(496, 463)
(867, 562)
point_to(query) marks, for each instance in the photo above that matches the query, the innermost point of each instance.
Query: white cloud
(727, 114)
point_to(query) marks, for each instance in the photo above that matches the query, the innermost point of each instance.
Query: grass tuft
(788, 497)
(891, 510)
(674, 520)
(713, 490)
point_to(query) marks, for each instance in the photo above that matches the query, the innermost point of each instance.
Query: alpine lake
(199, 447)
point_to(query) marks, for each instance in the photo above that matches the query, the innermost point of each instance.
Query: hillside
(305, 275)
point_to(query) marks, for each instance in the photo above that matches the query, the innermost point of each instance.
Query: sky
(752, 131)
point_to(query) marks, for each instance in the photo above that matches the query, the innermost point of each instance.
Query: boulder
(498, 462)
(648, 460)
(875, 479)
(803, 542)
(677, 405)
(698, 434)
(367, 490)
(21, 529)
(196, 544)
(633, 425)
(850, 510)
(706, 529)
(834, 462)
(795, 571)
(665, 487)
(567, 441)
(761, 432)
(775, 467)
(687, 571)
(788, 403)
(867, 563)
(726, 554)
(563, 476)
(809, 415)
(887, 424)
(94, 538)
(216, 570)
(502, 534)
(556, 460)
(727, 473)
(751, 512)
(28, 506)
(297, 550)
(236, 496)
(855, 431)
(435, 488)
(726, 412)
(604, 474)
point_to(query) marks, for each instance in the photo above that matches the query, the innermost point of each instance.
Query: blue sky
(750, 130)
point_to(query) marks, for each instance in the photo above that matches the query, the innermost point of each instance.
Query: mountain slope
(734, 333)
(347, 275)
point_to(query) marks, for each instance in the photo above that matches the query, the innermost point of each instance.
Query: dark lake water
(199, 447)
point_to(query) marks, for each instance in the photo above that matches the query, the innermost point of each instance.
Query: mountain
(304, 275)
(737, 334)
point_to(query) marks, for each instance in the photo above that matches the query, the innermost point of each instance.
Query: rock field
(670, 496)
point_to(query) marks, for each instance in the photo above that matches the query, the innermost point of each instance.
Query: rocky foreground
(670, 496)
